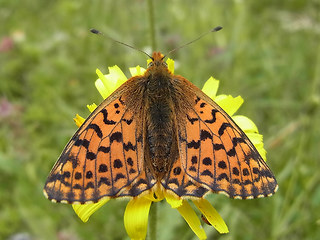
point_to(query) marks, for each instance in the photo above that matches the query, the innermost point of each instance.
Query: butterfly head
(157, 65)
(157, 60)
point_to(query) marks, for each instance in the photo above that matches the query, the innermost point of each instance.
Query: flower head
(137, 210)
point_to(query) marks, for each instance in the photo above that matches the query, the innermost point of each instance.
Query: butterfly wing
(216, 155)
(103, 159)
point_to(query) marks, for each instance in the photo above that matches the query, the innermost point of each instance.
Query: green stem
(153, 222)
(153, 211)
(152, 27)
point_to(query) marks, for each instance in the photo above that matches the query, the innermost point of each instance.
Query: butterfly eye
(150, 64)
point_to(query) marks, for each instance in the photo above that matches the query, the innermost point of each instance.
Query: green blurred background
(268, 52)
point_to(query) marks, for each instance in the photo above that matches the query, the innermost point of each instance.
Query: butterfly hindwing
(103, 158)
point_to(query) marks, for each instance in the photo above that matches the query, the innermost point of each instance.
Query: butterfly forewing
(103, 158)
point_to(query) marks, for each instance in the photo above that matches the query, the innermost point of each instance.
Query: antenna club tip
(216, 29)
(95, 31)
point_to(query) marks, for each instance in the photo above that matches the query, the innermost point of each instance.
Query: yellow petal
(154, 196)
(246, 124)
(101, 76)
(211, 215)
(104, 91)
(257, 140)
(170, 64)
(86, 210)
(92, 107)
(251, 130)
(136, 217)
(103, 85)
(173, 199)
(228, 103)
(78, 120)
(106, 84)
(116, 76)
(211, 87)
(192, 219)
(136, 71)
(159, 194)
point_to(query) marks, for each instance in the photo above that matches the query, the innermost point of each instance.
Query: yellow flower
(137, 210)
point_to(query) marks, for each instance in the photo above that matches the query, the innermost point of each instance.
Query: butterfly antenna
(216, 29)
(95, 31)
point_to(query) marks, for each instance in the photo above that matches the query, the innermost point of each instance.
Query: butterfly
(158, 130)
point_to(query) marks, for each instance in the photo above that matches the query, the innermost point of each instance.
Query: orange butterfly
(158, 130)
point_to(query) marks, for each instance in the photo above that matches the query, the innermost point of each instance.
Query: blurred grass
(268, 52)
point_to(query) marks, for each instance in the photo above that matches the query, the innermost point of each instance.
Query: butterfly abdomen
(160, 123)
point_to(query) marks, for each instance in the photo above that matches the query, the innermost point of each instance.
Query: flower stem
(152, 27)
(153, 222)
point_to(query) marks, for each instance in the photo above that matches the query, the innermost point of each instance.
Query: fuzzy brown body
(160, 132)
(159, 110)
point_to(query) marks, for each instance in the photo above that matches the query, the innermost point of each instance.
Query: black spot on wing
(255, 170)
(192, 120)
(96, 128)
(89, 175)
(194, 159)
(207, 161)
(222, 164)
(204, 134)
(103, 168)
(200, 191)
(237, 140)
(82, 142)
(231, 152)
(218, 146)
(129, 146)
(192, 169)
(74, 160)
(177, 171)
(104, 149)
(235, 171)
(130, 161)
(207, 173)
(105, 117)
(213, 114)
(119, 176)
(104, 180)
(116, 136)
(77, 186)
(91, 156)
(223, 176)
(193, 144)
(202, 105)
(89, 185)
(127, 121)
(223, 127)
(245, 172)
(78, 175)
(117, 163)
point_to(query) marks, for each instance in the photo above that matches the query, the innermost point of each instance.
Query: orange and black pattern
(158, 130)
(104, 158)
(217, 156)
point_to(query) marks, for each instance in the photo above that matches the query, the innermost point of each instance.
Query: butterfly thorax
(160, 126)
